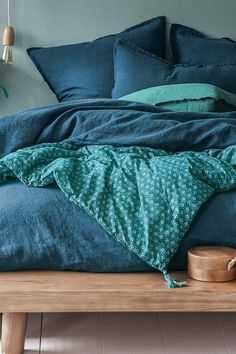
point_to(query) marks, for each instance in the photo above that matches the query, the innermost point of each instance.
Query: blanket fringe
(171, 282)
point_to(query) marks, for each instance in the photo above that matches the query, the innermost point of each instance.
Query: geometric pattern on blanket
(146, 198)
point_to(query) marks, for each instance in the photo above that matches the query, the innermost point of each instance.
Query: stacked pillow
(130, 65)
(202, 78)
(85, 70)
(136, 69)
(186, 98)
(192, 47)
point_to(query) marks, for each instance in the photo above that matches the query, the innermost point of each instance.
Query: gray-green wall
(52, 22)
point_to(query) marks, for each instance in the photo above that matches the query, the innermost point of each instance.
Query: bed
(126, 282)
(101, 197)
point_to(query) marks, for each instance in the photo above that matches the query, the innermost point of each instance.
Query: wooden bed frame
(50, 291)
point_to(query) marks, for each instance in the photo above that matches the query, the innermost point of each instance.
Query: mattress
(69, 238)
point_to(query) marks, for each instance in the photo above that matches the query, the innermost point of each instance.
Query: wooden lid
(211, 257)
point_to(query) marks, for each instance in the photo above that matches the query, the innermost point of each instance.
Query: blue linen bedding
(85, 70)
(68, 238)
(136, 69)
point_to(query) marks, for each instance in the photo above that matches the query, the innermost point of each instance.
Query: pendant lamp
(8, 39)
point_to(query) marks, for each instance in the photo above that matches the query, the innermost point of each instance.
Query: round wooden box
(212, 263)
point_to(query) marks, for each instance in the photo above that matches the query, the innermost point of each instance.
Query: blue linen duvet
(114, 128)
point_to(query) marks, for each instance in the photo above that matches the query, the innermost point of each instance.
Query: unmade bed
(103, 193)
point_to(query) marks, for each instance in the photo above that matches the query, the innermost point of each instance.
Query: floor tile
(227, 324)
(131, 333)
(195, 333)
(71, 334)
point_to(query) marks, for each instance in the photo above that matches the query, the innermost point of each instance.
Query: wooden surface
(212, 263)
(45, 291)
(13, 332)
(33, 334)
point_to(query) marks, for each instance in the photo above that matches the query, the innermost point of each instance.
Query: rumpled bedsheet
(113, 156)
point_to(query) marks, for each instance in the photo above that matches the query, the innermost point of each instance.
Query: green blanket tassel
(171, 282)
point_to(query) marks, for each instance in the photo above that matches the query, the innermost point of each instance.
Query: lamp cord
(8, 13)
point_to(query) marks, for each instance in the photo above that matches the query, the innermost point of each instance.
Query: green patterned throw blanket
(146, 198)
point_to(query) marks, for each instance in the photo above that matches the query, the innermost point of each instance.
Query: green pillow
(186, 98)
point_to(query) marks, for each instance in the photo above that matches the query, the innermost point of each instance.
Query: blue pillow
(192, 47)
(85, 70)
(136, 69)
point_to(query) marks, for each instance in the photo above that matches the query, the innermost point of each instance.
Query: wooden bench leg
(13, 332)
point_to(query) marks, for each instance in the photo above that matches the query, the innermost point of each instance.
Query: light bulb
(7, 55)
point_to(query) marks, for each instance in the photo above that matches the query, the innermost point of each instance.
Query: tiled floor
(133, 333)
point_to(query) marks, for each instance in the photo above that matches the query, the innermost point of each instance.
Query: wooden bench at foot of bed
(48, 291)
